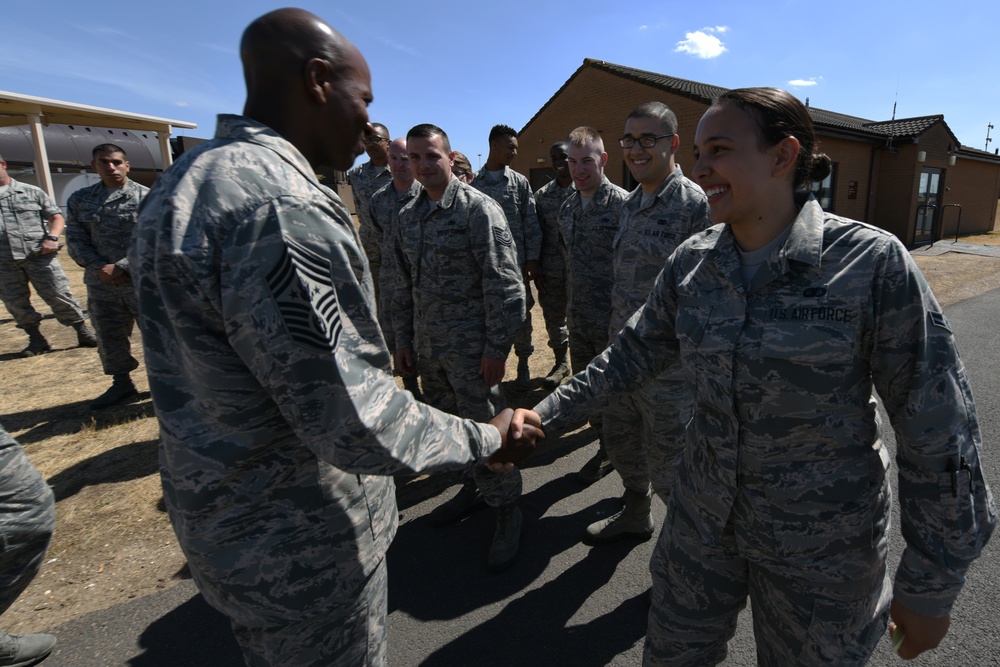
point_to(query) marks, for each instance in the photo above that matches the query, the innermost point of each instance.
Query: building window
(823, 190)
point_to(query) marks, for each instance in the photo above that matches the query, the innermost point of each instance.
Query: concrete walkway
(942, 247)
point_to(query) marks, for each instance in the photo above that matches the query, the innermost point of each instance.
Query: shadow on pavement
(191, 634)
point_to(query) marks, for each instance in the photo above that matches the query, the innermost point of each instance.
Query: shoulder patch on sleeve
(503, 236)
(302, 285)
(939, 320)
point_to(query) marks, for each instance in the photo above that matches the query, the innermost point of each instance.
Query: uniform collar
(804, 246)
(448, 197)
(666, 189)
(241, 128)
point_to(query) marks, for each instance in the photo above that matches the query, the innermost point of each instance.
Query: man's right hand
(405, 361)
(112, 274)
(513, 450)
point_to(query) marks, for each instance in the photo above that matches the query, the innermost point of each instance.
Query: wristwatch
(50, 237)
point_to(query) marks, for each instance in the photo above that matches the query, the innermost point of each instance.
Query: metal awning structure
(36, 112)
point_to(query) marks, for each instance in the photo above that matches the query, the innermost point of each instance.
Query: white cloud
(721, 28)
(643, 27)
(701, 44)
(801, 83)
(181, 103)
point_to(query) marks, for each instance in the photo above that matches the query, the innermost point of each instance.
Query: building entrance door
(928, 204)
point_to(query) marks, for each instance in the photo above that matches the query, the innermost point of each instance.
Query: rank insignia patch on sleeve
(502, 236)
(302, 286)
(939, 320)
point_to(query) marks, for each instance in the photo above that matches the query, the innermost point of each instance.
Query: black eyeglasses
(646, 140)
(375, 140)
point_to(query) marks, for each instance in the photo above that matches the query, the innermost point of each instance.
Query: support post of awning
(42, 172)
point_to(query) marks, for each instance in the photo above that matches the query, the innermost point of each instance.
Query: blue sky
(466, 66)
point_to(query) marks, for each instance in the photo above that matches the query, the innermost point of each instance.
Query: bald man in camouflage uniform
(588, 221)
(280, 423)
(100, 226)
(782, 492)
(458, 304)
(552, 283)
(27, 519)
(365, 180)
(383, 211)
(30, 225)
(513, 192)
(644, 432)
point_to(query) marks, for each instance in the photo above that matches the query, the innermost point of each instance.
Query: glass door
(928, 204)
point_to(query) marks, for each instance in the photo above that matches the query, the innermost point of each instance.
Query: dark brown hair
(778, 115)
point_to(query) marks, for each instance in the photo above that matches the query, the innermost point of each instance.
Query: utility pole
(989, 127)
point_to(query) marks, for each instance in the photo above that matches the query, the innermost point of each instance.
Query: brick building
(909, 176)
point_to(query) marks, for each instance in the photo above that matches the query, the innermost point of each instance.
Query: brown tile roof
(905, 129)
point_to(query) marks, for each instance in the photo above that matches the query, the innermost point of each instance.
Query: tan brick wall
(975, 186)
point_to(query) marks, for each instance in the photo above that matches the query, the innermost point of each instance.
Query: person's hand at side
(920, 633)
(492, 370)
(513, 451)
(405, 362)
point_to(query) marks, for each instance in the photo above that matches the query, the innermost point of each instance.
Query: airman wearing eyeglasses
(644, 433)
(365, 180)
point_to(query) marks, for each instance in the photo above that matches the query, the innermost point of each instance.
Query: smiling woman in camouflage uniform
(785, 318)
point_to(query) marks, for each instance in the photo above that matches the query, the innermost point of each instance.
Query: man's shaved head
(307, 82)
(276, 46)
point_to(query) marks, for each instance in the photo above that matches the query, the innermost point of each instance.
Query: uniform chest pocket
(815, 335)
(28, 208)
(451, 237)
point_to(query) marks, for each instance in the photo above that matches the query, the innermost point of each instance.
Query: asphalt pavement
(562, 603)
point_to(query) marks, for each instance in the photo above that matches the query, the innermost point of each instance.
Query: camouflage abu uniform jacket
(99, 228)
(365, 179)
(548, 200)
(458, 290)
(647, 236)
(279, 420)
(513, 193)
(24, 210)
(588, 236)
(383, 211)
(784, 417)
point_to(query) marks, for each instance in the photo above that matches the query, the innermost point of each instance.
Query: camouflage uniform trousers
(584, 345)
(46, 275)
(454, 385)
(644, 435)
(553, 302)
(351, 635)
(113, 311)
(800, 617)
(27, 519)
(523, 346)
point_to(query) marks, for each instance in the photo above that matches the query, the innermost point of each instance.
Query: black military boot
(84, 335)
(596, 468)
(523, 380)
(36, 342)
(559, 372)
(121, 391)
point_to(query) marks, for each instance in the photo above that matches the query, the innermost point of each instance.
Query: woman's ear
(786, 156)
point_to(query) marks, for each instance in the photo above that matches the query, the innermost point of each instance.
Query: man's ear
(675, 143)
(318, 75)
(604, 160)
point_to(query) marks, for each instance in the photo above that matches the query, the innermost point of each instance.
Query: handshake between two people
(520, 433)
